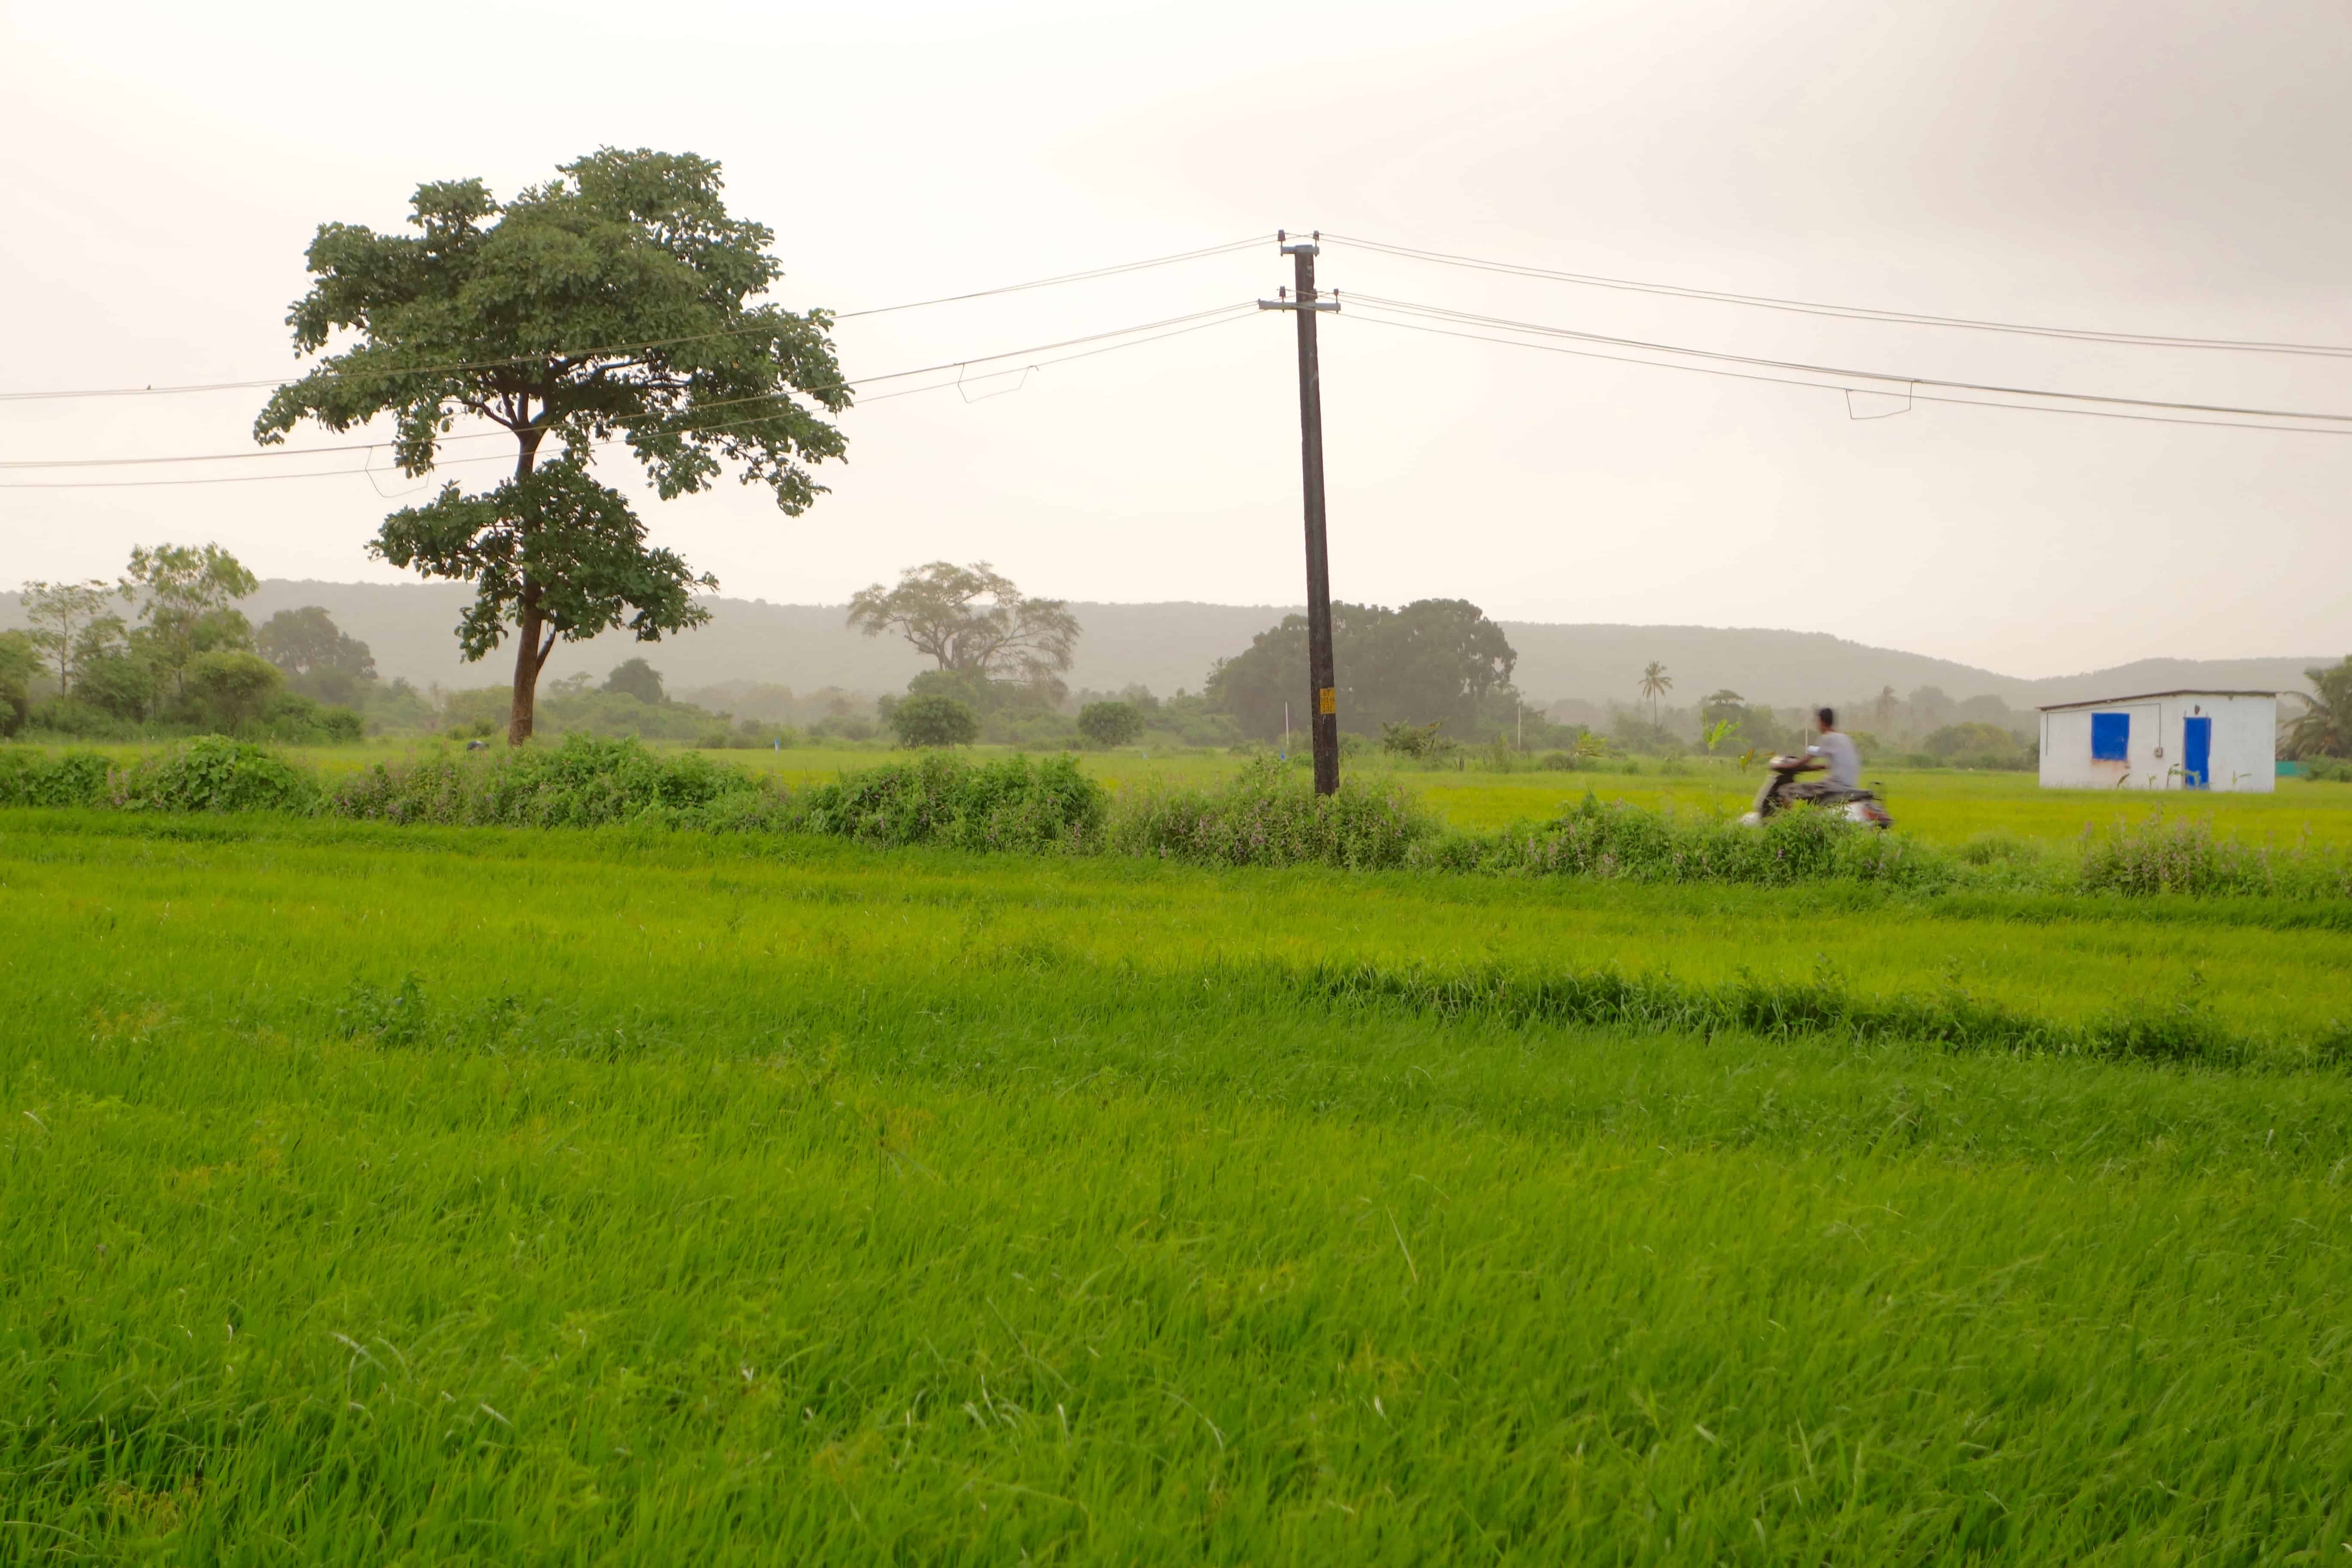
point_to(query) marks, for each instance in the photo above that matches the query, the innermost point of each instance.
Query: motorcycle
(1857, 805)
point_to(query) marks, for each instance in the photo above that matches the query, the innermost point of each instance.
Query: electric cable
(1113, 270)
(1200, 321)
(1441, 312)
(718, 403)
(1379, 321)
(1847, 312)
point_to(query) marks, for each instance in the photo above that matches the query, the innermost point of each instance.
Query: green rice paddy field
(401, 1195)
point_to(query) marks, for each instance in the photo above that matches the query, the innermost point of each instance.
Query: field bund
(394, 1192)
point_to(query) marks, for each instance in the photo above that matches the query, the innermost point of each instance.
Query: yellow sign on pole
(1330, 700)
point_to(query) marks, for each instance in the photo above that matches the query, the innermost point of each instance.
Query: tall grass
(587, 782)
(211, 773)
(2178, 1029)
(1270, 815)
(1621, 841)
(1012, 804)
(2165, 854)
(30, 777)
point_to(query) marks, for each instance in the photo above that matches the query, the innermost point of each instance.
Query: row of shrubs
(1268, 815)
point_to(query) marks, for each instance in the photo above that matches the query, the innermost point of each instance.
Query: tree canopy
(318, 658)
(972, 618)
(2323, 729)
(232, 686)
(187, 596)
(1432, 662)
(612, 304)
(61, 613)
(1110, 724)
(635, 678)
(20, 661)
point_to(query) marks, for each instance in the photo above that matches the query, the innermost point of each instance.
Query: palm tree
(2324, 727)
(1656, 682)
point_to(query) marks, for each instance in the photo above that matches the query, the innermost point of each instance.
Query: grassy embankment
(405, 1192)
(1936, 806)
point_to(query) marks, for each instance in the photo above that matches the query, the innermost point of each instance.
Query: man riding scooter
(1834, 753)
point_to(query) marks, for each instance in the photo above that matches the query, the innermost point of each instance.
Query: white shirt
(1845, 762)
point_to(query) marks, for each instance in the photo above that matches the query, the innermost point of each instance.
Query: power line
(1113, 270)
(484, 435)
(1847, 312)
(1379, 320)
(1230, 246)
(1440, 312)
(1198, 321)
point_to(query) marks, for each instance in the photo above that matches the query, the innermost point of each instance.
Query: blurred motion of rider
(1835, 753)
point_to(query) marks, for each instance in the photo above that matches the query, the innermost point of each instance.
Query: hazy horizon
(2155, 168)
(1170, 646)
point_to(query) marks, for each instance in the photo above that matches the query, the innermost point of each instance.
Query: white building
(2163, 739)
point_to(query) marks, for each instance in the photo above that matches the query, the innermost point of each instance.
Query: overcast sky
(2146, 166)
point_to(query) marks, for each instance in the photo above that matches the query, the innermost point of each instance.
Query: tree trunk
(528, 660)
(531, 652)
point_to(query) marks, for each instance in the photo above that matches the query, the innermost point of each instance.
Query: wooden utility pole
(1323, 694)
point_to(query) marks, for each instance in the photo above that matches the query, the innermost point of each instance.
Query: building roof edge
(2144, 696)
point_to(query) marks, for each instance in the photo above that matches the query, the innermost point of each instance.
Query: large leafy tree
(616, 302)
(1435, 661)
(971, 620)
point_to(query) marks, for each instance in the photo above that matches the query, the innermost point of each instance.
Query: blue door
(2196, 753)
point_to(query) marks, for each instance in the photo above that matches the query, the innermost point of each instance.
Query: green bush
(1110, 724)
(232, 688)
(295, 719)
(587, 782)
(1977, 745)
(933, 720)
(35, 778)
(1402, 740)
(1270, 815)
(1014, 804)
(213, 772)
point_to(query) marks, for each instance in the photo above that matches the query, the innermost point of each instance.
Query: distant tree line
(164, 648)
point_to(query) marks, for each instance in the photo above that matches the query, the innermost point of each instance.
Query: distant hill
(1168, 646)
(1604, 663)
